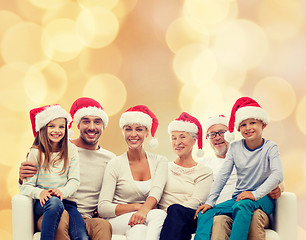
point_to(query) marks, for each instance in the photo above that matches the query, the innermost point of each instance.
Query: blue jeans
(240, 211)
(52, 212)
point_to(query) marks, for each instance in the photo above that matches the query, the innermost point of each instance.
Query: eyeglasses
(214, 134)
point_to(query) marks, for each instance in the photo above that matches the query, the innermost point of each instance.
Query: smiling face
(134, 135)
(251, 129)
(218, 144)
(56, 130)
(91, 128)
(182, 143)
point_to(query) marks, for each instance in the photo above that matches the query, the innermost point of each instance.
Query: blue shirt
(258, 171)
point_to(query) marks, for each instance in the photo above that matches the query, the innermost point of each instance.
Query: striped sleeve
(29, 187)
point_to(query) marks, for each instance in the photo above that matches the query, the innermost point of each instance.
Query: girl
(58, 174)
(133, 182)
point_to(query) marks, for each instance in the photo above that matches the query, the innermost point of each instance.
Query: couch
(285, 219)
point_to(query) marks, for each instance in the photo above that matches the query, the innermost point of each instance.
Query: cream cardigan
(119, 186)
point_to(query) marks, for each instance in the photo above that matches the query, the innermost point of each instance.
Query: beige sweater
(119, 186)
(186, 186)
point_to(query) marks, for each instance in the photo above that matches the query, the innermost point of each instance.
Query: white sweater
(119, 186)
(92, 167)
(186, 186)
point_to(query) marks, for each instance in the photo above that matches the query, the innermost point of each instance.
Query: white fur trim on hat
(184, 126)
(48, 114)
(91, 111)
(134, 117)
(215, 120)
(244, 113)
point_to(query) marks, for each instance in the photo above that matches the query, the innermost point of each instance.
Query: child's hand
(44, 196)
(56, 192)
(245, 195)
(275, 193)
(204, 208)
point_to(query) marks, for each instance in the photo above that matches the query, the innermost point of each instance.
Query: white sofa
(285, 219)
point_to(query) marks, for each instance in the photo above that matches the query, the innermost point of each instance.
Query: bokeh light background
(197, 56)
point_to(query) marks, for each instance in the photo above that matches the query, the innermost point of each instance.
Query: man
(91, 120)
(215, 129)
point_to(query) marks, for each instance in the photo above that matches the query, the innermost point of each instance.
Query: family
(82, 191)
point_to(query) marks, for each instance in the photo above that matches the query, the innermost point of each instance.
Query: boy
(258, 168)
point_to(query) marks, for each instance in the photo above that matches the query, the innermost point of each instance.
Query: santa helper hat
(85, 106)
(41, 116)
(243, 109)
(141, 115)
(187, 123)
(221, 119)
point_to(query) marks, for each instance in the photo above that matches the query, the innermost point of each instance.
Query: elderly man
(91, 120)
(215, 128)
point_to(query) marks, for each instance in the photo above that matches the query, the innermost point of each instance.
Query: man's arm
(26, 169)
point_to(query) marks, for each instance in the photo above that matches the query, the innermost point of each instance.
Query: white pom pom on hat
(187, 123)
(141, 114)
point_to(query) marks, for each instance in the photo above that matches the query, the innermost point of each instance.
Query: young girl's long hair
(43, 144)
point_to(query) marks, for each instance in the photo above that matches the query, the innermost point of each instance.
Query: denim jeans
(52, 212)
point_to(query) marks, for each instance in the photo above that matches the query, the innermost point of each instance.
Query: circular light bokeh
(108, 90)
(29, 50)
(7, 20)
(97, 27)
(61, 42)
(48, 4)
(205, 12)
(301, 115)
(184, 60)
(186, 96)
(109, 4)
(204, 68)
(14, 89)
(276, 96)
(56, 81)
(95, 61)
(70, 10)
(180, 33)
(285, 21)
(240, 44)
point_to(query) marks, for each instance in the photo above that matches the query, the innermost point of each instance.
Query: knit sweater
(67, 183)
(92, 167)
(259, 171)
(119, 186)
(186, 186)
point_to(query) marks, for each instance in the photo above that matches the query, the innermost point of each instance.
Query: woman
(133, 182)
(188, 183)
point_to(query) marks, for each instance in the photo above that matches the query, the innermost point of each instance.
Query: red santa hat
(243, 109)
(41, 116)
(187, 123)
(141, 115)
(85, 106)
(221, 119)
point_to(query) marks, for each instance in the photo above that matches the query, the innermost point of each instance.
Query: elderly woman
(133, 182)
(188, 183)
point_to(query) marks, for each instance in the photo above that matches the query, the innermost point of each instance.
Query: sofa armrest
(286, 216)
(22, 216)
